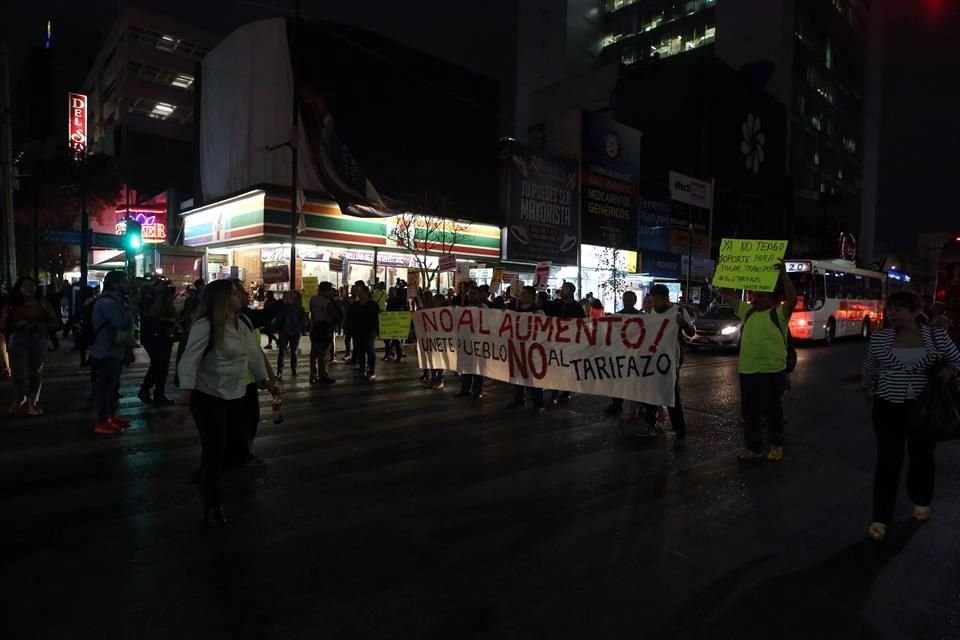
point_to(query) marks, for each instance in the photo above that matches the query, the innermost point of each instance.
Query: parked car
(718, 327)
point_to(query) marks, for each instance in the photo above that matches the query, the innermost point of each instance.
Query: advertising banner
(543, 207)
(77, 124)
(691, 191)
(395, 325)
(749, 264)
(655, 213)
(631, 357)
(611, 166)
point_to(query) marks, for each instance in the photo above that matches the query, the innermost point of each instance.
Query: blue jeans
(28, 352)
(293, 343)
(365, 354)
(105, 387)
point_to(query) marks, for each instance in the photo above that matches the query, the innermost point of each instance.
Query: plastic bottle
(277, 409)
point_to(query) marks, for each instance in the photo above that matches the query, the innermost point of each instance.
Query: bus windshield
(808, 291)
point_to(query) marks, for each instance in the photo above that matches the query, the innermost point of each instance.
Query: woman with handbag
(213, 383)
(27, 321)
(898, 365)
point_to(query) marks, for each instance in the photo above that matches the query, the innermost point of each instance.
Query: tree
(423, 235)
(612, 263)
(52, 187)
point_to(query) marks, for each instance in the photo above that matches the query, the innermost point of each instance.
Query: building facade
(141, 98)
(810, 55)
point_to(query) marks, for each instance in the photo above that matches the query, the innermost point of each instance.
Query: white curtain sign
(631, 356)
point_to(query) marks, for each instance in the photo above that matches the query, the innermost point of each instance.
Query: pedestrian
(157, 320)
(437, 375)
(566, 306)
(364, 325)
(291, 322)
(271, 306)
(113, 330)
(471, 384)
(899, 362)
(763, 363)
(324, 314)
(527, 304)
(54, 299)
(4, 353)
(629, 309)
(240, 445)
(395, 302)
(85, 333)
(663, 309)
(187, 314)
(213, 373)
(346, 300)
(27, 321)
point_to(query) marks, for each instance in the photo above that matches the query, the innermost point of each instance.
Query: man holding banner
(763, 343)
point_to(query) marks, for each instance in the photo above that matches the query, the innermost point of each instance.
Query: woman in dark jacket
(898, 365)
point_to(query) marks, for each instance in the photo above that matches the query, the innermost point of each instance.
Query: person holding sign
(763, 364)
(527, 304)
(324, 316)
(364, 321)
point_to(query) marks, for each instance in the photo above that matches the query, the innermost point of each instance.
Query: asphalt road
(387, 510)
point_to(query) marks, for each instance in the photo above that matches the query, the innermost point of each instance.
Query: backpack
(787, 338)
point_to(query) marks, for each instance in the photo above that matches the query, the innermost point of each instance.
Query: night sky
(921, 111)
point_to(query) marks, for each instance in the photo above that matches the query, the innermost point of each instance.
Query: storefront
(247, 236)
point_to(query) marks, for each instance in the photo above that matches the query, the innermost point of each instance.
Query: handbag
(936, 414)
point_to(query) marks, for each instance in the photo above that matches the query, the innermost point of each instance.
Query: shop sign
(611, 170)
(276, 274)
(77, 124)
(696, 193)
(661, 265)
(481, 274)
(282, 254)
(543, 207)
(383, 259)
(151, 231)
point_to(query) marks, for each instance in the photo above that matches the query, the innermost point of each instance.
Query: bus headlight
(729, 331)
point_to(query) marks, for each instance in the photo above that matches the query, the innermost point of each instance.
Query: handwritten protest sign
(749, 264)
(632, 357)
(395, 325)
(311, 285)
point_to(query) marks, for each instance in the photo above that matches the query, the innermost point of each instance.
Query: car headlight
(729, 331)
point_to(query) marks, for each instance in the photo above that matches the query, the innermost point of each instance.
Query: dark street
(387, 510)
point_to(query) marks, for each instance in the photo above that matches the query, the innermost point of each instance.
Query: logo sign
(697, 193)
(77, 124)
(752, 142)
(336, 265)
(153, 232)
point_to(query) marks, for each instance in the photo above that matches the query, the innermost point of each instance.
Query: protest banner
(631, 357)
(395, 325)
(311, 285)
(749, 264)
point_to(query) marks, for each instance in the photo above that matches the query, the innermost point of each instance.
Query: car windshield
(720, 313)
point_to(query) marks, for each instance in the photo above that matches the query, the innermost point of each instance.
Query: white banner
(631, 356)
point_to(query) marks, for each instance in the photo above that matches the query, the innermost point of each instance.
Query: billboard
(542, 207)
(611, 167)
(77, 124)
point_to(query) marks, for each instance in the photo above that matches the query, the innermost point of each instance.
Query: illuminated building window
(182, 80)
(162, 110)
(816, 122)
(816, 158)
(829, 56)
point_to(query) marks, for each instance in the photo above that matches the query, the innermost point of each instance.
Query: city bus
(835, 299)
(948, 284)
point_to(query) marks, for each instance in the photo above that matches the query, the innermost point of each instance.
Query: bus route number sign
(798, 267)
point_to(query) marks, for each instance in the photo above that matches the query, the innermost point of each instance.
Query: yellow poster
(311, 285)
(395, 325)
(497, 279)
(749, 264)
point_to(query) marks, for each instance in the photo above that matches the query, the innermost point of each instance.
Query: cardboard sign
(395, 325)
(541, 276)
(276, 274)
(749, 264)
(448, 263)
(631, 357)
(336, 265)
(497, 279)
(311, 284)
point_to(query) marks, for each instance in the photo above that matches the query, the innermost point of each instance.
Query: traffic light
(133, 238)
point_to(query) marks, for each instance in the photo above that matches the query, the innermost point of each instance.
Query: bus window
(874, 289)
(832, 288)
(809, 290)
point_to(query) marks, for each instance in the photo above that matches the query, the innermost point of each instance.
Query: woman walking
(27, 322)
(899, 361)
(213, 382)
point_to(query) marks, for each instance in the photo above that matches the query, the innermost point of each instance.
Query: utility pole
(294, 151)
(9, 245)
